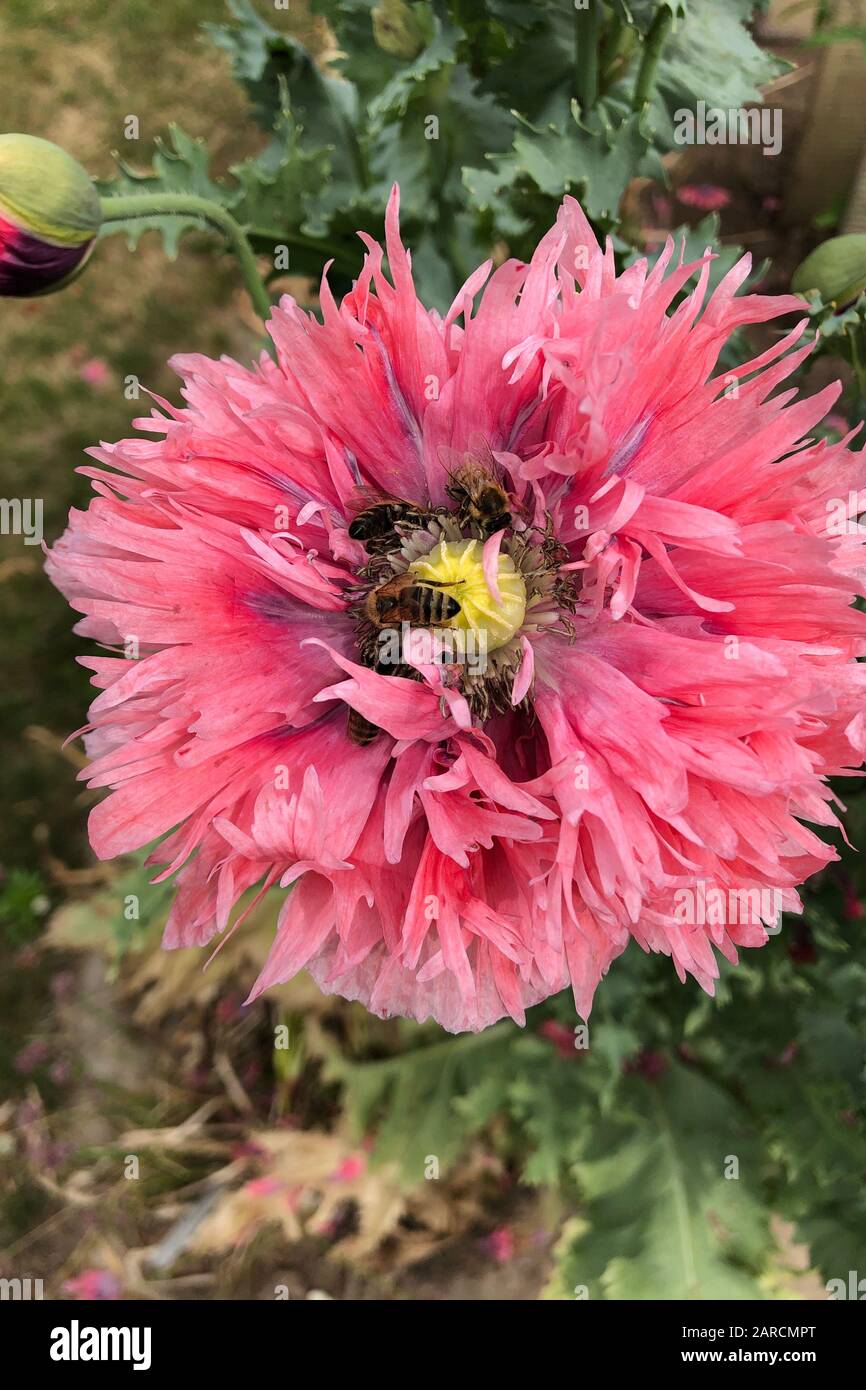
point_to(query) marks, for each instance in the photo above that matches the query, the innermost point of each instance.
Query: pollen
(457, 566)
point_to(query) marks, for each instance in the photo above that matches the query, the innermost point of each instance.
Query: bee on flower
(671, 644)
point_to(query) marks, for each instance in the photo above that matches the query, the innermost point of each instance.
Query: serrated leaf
(412, 1100)
(278, 200)
(710, 56)
(660, 1219)
(289, 89)
(536, 77)
(695, 241)
(103, 922)
(359, 59)
(181, 164)
(263, 58)
(549, 1100)
(394, 97)
(594, 160)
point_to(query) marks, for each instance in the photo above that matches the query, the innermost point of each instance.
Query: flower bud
(836, 269)
(49, 215)
(401, 29)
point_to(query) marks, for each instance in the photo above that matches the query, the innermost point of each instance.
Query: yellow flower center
(457, 566)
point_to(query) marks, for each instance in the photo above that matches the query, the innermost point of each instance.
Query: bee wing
(451, 459)
(481, 454)
(362, 497)
(365, 497)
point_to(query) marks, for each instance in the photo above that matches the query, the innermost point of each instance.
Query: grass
(70, 73)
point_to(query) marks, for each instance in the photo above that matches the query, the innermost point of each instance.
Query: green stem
(306, 243)
(586, 56)
(652, 51)
(128, 207)
(857, 360)
(608, 50)
(614, 52)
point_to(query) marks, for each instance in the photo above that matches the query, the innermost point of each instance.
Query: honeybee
(360, 730)
(481, 499)
(406, 599)
(400, 599)
(363, 731)
(376, 524)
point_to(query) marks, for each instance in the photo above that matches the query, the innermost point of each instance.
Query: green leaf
(278, 195)
(710, 56)
(660, 1219)
(249, 43)
(24, 901)
(591, 158)
(274, 188)
(114, 918)
(695, 241)
(552, 1104)
(180, 165)
(394, 97)
(263, 58)
(290, 92)
(359, 58)
(413, 1100)
(535, 75)
(836, 269)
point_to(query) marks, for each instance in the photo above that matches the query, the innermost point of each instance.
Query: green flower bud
(400, 29)
(50, 214)
(836, 268)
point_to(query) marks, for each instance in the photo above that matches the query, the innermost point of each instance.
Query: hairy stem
(128, 207)
(652, 50)
(586, 56)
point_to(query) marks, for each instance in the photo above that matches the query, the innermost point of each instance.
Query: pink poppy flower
(562, 1038)
(658, 669)
(95, 372)
(500, 1245)
(350, 1169)
(708, 197)
(93, 1286)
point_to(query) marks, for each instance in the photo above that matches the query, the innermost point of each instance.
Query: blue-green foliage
(484, 111)
(680, 1130)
